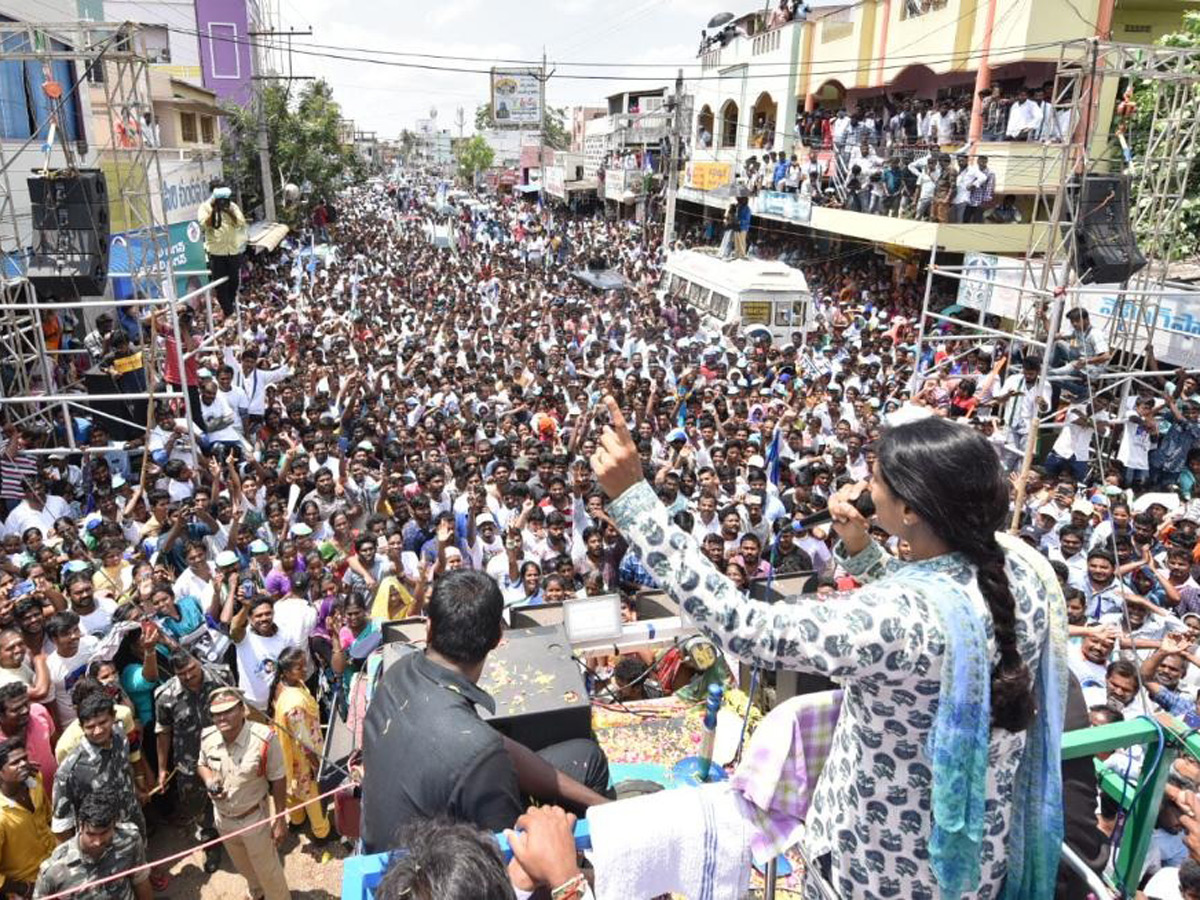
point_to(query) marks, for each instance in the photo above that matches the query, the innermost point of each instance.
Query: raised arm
(838, 638)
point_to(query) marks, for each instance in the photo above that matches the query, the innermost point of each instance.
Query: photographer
(224, 241)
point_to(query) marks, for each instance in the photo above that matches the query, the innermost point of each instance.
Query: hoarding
(994, 284)
(556, 182)
(708, 176)
(516, 97)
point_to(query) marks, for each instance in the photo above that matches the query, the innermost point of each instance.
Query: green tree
(1187, 230)
(557, 137)
(474, 156)
(304, 136)
(408, 144)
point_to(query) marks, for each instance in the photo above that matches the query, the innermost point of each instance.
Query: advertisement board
(792, 207)
(708, 176)
(556, 182)
(516, 95)
(995, 283)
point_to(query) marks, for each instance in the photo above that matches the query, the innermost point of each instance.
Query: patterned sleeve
(879, 631)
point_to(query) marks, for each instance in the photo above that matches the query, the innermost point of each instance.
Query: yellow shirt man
(25, 837)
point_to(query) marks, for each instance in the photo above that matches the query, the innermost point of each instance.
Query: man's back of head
(465, 616)
(445, 861)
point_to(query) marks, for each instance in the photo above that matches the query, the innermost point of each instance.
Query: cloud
(451, 11)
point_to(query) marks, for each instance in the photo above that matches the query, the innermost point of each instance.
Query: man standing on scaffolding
(224, 241)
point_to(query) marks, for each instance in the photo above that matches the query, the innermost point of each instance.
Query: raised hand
(616, 462)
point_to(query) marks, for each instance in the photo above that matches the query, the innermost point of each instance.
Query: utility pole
(263, 138)
(460, 119)
(673, 162)
(542, 129)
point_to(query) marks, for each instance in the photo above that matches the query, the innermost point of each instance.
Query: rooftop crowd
(393, 414)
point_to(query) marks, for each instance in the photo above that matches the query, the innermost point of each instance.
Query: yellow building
(764, 84)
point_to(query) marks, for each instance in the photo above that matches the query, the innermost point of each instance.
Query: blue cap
(21, 588)
(676, 434)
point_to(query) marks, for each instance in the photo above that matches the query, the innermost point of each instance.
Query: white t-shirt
(64, 672)
(219, 409)
(296, 619)
(1075, 441)
(1164, 886)
(99, 620)
(25, 516)
(1134, 452)
(256, 657)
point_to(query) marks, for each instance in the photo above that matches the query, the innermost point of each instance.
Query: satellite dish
(291, 193)
(720, 19)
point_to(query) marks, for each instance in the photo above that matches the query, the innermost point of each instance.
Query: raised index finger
(617, 419)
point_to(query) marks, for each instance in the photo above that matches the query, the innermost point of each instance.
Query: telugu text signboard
(708, 176)
(516, 97)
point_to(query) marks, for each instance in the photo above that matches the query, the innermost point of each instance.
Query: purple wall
(225, 54)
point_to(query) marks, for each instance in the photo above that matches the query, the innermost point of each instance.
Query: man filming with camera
(225, 235)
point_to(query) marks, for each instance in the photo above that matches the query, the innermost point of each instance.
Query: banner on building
(792, 207)
(516, 97)
(708, 176)
(556, 182)
(995, 284)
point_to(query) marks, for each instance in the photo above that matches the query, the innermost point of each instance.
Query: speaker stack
(71, 233)
(1106, 250)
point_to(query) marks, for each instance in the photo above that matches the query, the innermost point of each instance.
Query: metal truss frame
(29, 390)
(1158, 176)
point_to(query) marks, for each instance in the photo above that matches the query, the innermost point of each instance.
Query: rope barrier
(199, 847)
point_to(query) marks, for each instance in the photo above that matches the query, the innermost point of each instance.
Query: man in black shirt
(427, 752)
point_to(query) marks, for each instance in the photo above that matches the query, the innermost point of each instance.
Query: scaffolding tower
(113, 56)
(1158, 163)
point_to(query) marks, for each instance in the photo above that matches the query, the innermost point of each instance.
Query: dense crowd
(387, 413)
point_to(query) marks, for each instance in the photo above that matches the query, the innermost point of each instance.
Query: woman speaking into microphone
(943, 777)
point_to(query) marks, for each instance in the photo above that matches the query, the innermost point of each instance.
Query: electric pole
(264, 143)
(460, 119)
(542, 130)
(673, 163)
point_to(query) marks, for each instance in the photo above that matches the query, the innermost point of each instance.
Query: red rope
(188, 852)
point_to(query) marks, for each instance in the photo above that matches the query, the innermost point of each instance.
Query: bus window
(798, 311)
(756, 312)
(719, 305)
(783, 314)
(695, 294)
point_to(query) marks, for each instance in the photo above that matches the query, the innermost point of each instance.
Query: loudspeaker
(71, 233)
(1106, 250)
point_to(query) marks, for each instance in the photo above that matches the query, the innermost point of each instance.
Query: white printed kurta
(871, 810)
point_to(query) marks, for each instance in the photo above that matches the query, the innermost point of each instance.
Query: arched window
(762, 119)
(729, 124)
(704, 127)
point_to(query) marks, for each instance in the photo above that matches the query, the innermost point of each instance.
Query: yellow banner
(708, 176)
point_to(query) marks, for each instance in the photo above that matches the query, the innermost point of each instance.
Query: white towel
(693, 841)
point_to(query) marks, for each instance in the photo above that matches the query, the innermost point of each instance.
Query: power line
(835, 67)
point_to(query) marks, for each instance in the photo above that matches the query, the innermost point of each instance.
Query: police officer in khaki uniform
(241, 763)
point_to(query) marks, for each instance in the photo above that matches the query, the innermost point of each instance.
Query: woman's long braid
(1012, 682)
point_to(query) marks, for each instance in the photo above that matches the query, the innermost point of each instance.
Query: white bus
(751, 292)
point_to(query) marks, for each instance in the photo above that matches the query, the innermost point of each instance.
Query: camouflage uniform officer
(180, 715)
(241, 763)
(99, 763)
(103, 846)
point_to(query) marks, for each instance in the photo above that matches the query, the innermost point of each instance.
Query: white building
(745, 99)
(636, 120)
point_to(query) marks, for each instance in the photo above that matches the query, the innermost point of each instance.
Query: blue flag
(773, 456)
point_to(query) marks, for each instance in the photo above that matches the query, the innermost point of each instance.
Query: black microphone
(863, 503)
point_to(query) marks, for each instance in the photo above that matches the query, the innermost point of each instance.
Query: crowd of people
(181, 613)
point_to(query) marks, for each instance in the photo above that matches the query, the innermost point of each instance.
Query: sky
(387, 99)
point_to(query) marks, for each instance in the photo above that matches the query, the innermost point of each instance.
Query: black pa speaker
(1105, 250)
(71, 233)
